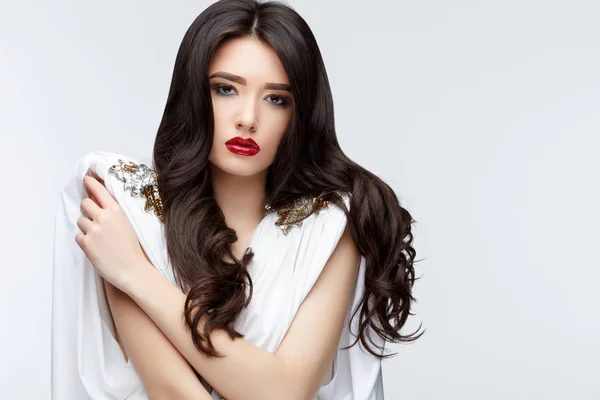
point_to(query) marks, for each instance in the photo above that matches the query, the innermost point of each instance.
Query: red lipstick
(243, 146)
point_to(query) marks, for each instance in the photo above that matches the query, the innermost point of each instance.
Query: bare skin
(240, 73)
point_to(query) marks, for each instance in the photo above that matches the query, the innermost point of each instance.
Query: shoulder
(337, 235)
(334, 212)
(113, 158)
(128, 174)
(336, 218)
(317, 211)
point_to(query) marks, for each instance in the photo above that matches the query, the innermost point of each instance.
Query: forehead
(249, 58)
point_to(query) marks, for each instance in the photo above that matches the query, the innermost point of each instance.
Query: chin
(241, 167)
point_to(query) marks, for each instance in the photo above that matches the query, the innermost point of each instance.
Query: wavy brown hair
(309, 162)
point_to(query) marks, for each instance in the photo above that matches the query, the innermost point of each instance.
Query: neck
(241, 198)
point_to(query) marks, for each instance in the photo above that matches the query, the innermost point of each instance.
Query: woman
(291, 265)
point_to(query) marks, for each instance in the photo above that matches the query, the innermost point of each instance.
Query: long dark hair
(309, 162)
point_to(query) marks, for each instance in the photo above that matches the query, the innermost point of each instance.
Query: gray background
(484, 116)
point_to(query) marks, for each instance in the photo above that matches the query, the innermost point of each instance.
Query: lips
(243, 146)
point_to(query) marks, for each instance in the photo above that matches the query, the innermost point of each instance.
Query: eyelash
(217, 89)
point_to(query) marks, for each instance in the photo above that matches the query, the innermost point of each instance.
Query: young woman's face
(251, 101)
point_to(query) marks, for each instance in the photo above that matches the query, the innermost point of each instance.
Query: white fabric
(87, 362)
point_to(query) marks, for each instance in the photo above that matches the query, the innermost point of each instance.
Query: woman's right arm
(163, 371)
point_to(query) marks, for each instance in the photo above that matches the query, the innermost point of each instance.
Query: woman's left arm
(246, 371)
(303, 359)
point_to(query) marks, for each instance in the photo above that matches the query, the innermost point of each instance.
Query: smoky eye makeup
(226, 89)
(280, 100)
(223, 89)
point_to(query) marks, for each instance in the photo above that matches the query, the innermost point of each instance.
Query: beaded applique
(299, 210)
(141, 180)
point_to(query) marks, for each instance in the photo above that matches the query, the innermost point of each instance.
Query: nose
(247, 118)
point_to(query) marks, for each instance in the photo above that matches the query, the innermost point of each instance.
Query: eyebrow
(242, 81)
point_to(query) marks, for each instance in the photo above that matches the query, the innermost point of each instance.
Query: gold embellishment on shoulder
(141, 180)
(298, 211)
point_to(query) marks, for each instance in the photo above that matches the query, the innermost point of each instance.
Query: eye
(223, 89)
(277, 100)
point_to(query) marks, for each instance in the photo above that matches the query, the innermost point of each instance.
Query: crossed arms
(151, 333)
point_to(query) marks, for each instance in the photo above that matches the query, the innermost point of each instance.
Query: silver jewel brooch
(141, 181)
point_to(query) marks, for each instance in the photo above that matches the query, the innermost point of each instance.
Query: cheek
(277, 125)
(221, 112)
(223, 125)
(220, 119)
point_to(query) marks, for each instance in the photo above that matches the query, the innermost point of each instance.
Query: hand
(108, 238)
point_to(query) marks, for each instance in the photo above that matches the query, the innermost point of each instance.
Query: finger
(87, 190)
(95, 176)
(90, 208)
(91, 196)
(98, 190)
(84, 224)
(79, 239)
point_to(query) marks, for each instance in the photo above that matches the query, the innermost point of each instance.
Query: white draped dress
(87, 361)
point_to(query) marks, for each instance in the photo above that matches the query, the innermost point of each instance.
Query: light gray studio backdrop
(484, 116)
